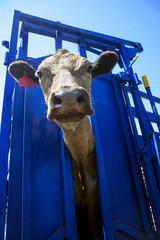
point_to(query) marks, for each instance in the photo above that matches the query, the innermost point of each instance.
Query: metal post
(82, 48)
(5, 123)
(103, 186)
(58, 40)
(26, 155)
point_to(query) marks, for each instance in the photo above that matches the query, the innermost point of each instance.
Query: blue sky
(136, 20)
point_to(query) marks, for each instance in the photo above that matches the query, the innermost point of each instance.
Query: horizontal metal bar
(150, 115)
(77, 31)
(28, 27)
(93, 50)
(90, 43)
(99, 45)
(37, 60)
(32, 28)
(154, 109)
(145, 96)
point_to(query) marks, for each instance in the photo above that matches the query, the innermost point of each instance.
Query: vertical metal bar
(154, 193)
(23, 49)
(69, 203)
(58, 40)
(5, 123)
(15, 172)
(103, 186)
(82, 48)
(26, 170)
(26, 157)
(156, 161)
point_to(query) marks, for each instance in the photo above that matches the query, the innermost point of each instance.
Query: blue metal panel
(118, 172)
(40, 195)
(15, 173)
(46, 197)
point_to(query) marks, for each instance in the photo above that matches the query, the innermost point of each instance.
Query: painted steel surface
(123, 197)
(40, 188)
(41, 193)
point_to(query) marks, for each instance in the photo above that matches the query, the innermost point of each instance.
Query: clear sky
(135, 20)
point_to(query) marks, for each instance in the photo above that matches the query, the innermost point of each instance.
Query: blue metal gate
(36, 190)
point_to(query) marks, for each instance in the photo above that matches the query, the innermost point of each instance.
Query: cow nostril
(81, 98)
(57, 100)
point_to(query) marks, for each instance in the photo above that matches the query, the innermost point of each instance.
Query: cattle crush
(36, 187)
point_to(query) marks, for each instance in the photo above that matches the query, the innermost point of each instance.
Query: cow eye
(89, 69)
(39, 73)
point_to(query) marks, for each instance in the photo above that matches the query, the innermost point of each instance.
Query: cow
(65, 79)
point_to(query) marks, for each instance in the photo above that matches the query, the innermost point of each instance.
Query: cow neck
(80, 141)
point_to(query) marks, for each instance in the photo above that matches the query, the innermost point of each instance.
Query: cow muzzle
(69, 106)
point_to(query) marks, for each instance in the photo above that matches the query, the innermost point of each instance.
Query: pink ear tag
(26, 81)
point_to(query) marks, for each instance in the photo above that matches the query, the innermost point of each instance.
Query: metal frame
(148, 157)
(143, 150)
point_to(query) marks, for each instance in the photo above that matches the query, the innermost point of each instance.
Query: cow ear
(21, 70)
(104, 63)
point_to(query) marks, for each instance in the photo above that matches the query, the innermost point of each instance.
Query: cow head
(65, 79)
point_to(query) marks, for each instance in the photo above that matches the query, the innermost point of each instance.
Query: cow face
(65, 79)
